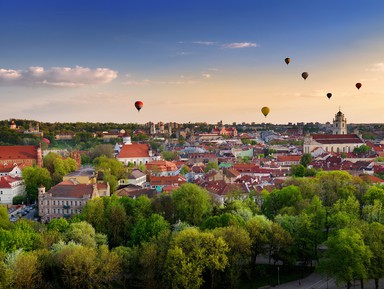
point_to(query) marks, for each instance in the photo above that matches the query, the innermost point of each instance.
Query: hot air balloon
(138, 105)
(265, 110)
(358, 85)
(287, 60)
(329, 95)
(305, 75)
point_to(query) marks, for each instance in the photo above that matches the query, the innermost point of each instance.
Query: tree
(239, 244)
(259, 228)
(101, 150)
(211, 166)
(306, 159)
(347, 257)
(145, 229)
(192, 203)
(361, 150)
(374, 238)
(191, 252)
(169, 155)
(82, 233)
(33, 178)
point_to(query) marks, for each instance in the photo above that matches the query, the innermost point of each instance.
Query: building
(84, 176)
(162, 168)
(339, 141)
(67, 199)
(10, 187)
(135, 177)
(135, 153)
(24, 156)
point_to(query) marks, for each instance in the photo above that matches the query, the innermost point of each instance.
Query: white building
(9, 188)
(339, 141)
(135, 153)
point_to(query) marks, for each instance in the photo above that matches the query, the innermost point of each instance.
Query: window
(54, 202)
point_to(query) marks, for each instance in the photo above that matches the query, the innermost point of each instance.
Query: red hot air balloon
(358, 85)
(138, 105)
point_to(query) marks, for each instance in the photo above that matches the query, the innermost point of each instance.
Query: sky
(191, 61)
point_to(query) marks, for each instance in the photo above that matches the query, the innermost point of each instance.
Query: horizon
(191, 62)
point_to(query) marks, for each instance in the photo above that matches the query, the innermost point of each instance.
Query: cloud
(206, 75)
(377, 67)
(208, 43)
(147, 82)
(58, 76)
(237, 45)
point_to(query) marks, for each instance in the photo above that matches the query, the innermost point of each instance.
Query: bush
(18, 200)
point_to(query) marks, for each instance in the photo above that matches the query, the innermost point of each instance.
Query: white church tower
(339, 124)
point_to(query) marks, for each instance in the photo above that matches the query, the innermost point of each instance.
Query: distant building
(135, 153)
(34, 130)
(67, 199)
(339, 141)
(24, 156)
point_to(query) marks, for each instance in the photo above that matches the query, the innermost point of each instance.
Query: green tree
(101, 150)
(374, 238)
(192, 203)
(305, 159)
(191, 253)
(211, 165)
(169, 155)
(347, 257)
(33, 178)
(145, 229)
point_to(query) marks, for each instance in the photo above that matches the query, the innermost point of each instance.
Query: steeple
(339, 123)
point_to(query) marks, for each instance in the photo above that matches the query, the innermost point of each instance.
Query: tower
(339, 124)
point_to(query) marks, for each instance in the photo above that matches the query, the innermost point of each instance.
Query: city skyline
(191, 62)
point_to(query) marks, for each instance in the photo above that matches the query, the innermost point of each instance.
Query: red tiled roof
(69, 190)
(289, 158)
(371, 179)
(134, 150)
(336, 138)
(18, 152)
(162, 166)
(167, 180)
(6, 181)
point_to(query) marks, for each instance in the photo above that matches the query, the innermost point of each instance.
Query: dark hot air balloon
(304, 75)
(138, 105)
(329, 95)
(287, 60)
(265, 110)
(358, 85)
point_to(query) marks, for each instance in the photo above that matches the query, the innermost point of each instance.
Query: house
(135, 177)
(24, 156)
(84, 176)
(162, 168)
(288, 160)
(135, 153)
(67, 199)
(10, 187)
(222, 191)
(159, 182)
(134, 192)
(10, 170)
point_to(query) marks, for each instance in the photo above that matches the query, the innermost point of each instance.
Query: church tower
(339, 124)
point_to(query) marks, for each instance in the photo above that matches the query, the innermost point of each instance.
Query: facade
(84, 176)
(23, 156)
(162, 168)
(67, 199)
(135, 177)
(135, 153)
(10, 187)
(339, 141)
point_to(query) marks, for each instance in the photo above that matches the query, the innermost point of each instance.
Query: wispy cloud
(58, 76)
(206, 75)
(208, 43)
(148, 82)
(376, 67)
(237, 45)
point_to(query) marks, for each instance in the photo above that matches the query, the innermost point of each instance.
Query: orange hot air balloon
(358, 85)
(287, 60)
(329, 95)
(265, 110)
(304, 75)
(138, 105)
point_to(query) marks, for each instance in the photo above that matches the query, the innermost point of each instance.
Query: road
(315, 281)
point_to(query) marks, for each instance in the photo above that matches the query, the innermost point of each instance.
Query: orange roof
(134, 150)
(5, 182)
(18, 152)
(163, 166)
(288, 158)
(167, 180)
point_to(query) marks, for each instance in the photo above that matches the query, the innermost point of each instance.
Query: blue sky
(191, 60)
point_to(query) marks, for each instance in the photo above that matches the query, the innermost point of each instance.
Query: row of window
(64, 211)
(61, 202)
